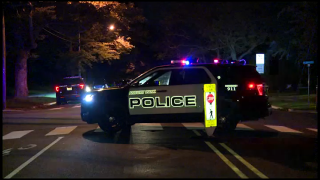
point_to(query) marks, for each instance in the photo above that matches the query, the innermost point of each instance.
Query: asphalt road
(55, 143)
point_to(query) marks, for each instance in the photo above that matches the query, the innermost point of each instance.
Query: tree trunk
(233, 55)
(21, 72)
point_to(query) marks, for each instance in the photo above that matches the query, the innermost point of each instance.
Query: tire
(228, 127)
(58, 102)
(230, 122)
(114, 126)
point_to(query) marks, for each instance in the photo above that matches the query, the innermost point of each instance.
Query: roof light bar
(184, 62)
(71, 77)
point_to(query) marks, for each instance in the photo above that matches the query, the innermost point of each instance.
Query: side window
(158, 78)
(164, 79)
(190, 76)
(144, 80)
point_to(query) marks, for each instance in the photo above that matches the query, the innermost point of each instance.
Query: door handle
(161, 91)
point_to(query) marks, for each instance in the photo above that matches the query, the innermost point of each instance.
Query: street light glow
(111, 27)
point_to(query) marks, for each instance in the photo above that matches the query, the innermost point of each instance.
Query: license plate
(69, 89)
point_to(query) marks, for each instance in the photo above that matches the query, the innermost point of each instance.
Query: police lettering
(167, 102)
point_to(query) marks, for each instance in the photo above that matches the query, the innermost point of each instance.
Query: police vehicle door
(171, 90)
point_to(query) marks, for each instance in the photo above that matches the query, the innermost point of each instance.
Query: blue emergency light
(183, 62)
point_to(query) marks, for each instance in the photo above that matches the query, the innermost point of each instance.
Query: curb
(293, 110)
(33, 108)
(11, 110)
(48, 104)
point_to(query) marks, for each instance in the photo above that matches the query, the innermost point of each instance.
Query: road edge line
(14, 172)
(246, 163)
(224, 158)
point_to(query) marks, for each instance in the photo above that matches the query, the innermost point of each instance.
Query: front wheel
(111, 124)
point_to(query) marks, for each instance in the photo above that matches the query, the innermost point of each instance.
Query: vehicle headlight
(88, 89)
(88, 98)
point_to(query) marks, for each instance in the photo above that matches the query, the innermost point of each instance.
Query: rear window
(235, 72)
(71, 81)
(244, 72)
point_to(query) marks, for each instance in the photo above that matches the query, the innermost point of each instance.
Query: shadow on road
(290, 150)
(122, 137)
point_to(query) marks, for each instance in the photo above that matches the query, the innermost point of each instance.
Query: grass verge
(297, 102)
(28, 103)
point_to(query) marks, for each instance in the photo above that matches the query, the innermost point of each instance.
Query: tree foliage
(230, 30)
(93, 19)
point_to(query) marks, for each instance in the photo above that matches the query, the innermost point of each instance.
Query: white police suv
(220, 94)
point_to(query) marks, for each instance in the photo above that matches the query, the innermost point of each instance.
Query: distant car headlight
(88, 89)
(88, 98)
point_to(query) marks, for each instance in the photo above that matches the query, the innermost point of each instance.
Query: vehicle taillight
(81, 86)
(251, 85)
(57, 88)
(258, 87)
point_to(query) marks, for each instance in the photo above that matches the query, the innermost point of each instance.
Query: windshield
(71, 81)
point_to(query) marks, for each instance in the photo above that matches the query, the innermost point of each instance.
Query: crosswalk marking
(98, 129)
(313, 129)
(193, 125)
(282, 129)
(16, 134)
(149, 126)
(76, 106)
(243, 127)
(61, 130)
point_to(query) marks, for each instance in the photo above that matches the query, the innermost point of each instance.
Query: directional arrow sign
(308, 62)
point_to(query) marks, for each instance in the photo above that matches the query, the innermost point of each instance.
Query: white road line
(191, 126)
(223, 158)
(98, 129)
(246, 163)
(243, 127)
(55, 108)
(61, 130)
(16, 134)
(76, 106)
(282, 129)
(14, 172)
(313, 129)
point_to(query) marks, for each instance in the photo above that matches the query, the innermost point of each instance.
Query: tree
(228, 30)
(98, 43)
(297, 42)
(24, 21)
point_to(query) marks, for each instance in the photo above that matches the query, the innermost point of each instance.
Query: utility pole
(79, 52)
(4, 82)
(309, 85)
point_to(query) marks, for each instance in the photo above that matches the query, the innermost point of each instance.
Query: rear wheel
(58, 102)
(227, 120)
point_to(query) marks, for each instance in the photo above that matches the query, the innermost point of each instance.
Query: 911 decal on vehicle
(210, 108)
